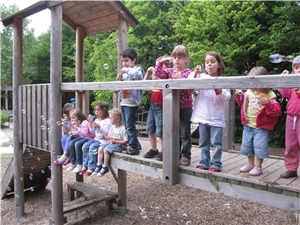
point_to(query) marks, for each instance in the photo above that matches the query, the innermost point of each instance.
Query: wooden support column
(55, 103)
(122, 191)
(17, 81)
(228, 131)
(171, 134)
(82, 98)
(122, 45)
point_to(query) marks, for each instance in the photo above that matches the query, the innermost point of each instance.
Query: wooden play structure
(39, 106)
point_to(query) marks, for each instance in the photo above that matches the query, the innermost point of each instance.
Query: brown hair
(78, 113)
(104, 107)
(256, 71)
(67, 108)
(221, 69)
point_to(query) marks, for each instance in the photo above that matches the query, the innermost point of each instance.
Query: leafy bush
(4, 116)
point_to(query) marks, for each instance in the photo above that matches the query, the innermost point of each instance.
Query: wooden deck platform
(268, 189)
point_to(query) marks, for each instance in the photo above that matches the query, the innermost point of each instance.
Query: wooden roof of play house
(94, 16)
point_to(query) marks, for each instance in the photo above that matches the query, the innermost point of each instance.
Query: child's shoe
(289, 174)
(61, 160)
(97, 169)
(88, 173)
(246, 168)
(77, 169)
(71, 167)
(256, 171)
(82, 171)
(66, 162)
(159, 156)
(103, 171)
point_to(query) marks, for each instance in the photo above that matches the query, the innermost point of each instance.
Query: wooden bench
(87, 195)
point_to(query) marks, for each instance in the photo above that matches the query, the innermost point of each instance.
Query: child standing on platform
(292, 125)
(259, 114)
(209, 112)
(154, 125)
(66, 138)
(131, 99)
(180, 58)
(100, 127)
(80, 133)
(118, 140)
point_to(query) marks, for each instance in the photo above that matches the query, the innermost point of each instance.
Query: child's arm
(160, 73)
(83, 129)
(239, 96)
(272, 108)
(148, 73)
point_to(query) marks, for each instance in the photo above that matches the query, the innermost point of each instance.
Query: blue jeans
(129, 116)
(90, 154)
(154, 120)
(185, 132)
(255, 142)
(76, 150)
(210, 135)
(65, 142)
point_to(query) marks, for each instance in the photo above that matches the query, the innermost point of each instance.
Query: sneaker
(97, 169)
(159, 156)
(82, 171)
(66, 162)
(214, 169)
(289, 174)
(151, 153)
(246, 168)
(103, 171)
(131, 151)
(200, 167)
(71, 167)
(61, 161)
(184, 161)
(256, 171)
(88, 173)
(140, 147)
(77, 169)
(57, 162)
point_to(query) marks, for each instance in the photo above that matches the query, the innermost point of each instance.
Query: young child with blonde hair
(259, 114)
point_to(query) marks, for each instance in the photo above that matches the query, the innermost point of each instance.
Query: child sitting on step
(118, 140)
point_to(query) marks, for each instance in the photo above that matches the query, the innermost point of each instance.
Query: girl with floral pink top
(180, 58)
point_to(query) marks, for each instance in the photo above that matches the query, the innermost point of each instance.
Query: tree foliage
(245, 33)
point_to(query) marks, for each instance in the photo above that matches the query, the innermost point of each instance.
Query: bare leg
(100, 155)
(106, 158)
(153, 142)
(258, 162)
(160, 144)
(251, 160)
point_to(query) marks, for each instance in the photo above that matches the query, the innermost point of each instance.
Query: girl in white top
(209, 112)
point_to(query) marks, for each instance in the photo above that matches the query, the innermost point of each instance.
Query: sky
(39, 21)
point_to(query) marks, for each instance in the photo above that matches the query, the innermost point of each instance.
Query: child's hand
(197, 70)
(175, 74)
(150, 70)
(166, 59)
(285, 72)
(238, 92)
(297, 90)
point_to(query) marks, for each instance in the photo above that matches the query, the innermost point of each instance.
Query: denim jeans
(210, 135)
(185, 132)
(154, 120)
(76, 150)
(90, 154)
(64, 141)
(129, 116)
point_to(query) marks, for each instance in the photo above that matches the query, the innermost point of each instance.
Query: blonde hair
(296, 61)
(256, 71)
(180, 50)
(116, 113)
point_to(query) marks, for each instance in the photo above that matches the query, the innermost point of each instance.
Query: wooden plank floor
(267, 188)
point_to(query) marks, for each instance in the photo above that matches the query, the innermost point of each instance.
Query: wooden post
(56, 111)
(122, 39)
(17, 81)
(122, 191)
(228, 131)
(81, 100)
(171, 136)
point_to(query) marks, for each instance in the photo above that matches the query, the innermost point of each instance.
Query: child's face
(180, 61)
(296, 68)
(74, 118)
(98, 112)
(127, 62)
(213, 65)
(114, 120)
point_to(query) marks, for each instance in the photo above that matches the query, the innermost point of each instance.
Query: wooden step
(91, 195)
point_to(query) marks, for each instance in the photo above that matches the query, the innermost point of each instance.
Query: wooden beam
(228, 130)
(56, 111)
(171, 143)
(232, 82)
(17, 81)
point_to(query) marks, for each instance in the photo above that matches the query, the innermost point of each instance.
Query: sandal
(184, 161)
